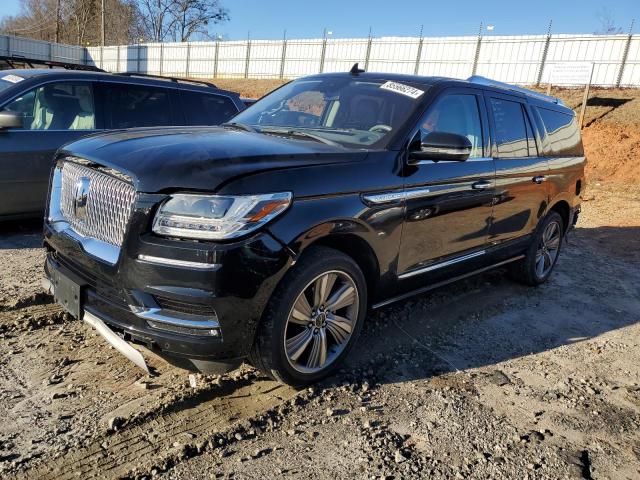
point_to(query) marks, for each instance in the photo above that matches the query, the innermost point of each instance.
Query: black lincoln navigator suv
(268, 238)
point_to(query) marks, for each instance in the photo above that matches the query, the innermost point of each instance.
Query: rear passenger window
(513, 132)
(206, 109)
(563, 134)
(127, 106)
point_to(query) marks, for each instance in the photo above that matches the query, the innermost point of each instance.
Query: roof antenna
(355, 70)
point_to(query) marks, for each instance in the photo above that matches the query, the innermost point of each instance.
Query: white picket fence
(525, 59)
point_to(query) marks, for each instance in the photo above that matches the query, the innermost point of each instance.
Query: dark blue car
(42, 109)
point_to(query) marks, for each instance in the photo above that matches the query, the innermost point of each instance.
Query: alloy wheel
(548, 249)
(321, 321)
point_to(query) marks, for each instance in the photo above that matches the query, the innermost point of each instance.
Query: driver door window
(459, 114)
(56, 106)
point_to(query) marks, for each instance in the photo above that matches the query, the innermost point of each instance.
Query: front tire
(543, 252)
(312, 319)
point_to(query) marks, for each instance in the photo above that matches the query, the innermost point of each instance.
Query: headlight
(217, 217)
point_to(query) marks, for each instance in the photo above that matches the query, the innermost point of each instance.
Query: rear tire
(543, 252)
(312, 319)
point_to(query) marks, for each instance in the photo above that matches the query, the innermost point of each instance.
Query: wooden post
(585, 97)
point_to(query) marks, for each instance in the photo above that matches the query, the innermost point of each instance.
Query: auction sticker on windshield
(12, 78)
(402, 89)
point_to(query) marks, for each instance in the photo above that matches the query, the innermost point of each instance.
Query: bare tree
(607, 23)
(78, 21)
(179, 20)
(194, 18)
(157, 18)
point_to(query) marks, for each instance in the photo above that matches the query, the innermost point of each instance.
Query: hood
(204, 159)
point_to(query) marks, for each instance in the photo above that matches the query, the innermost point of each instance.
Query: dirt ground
(482, 379)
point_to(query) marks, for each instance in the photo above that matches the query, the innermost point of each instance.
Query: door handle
(539, 179)
(481, 185)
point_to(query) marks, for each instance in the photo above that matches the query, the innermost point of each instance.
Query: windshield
(349, 111)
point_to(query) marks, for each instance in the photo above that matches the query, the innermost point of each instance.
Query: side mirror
(442, 146)
(10, 120)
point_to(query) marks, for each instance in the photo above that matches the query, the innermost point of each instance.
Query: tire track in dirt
(159, 442)
(31, 317)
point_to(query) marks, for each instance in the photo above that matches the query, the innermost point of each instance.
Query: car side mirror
(10, 120)
(441, 146)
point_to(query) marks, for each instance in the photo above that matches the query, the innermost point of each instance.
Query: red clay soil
(613, 152)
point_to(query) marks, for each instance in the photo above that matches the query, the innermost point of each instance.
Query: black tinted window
(206, 109)
(127, 106)
(511, 132)
(563, 134)
(456, 114)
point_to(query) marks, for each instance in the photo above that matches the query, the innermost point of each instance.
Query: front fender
(311, 220)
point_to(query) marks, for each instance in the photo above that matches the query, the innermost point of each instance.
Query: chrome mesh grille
(109, 203)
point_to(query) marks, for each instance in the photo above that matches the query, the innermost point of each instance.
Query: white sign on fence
(571, 73)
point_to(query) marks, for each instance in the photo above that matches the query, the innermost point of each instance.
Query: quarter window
(563, 134)
(127, 106)
(56, 106)
(459, 114)
(206, 109)
(513, 132)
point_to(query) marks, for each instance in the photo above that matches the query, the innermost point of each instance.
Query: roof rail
(12, 60)
(507, 86)
(170, 79)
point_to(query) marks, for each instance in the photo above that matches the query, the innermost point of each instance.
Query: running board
(433, 286)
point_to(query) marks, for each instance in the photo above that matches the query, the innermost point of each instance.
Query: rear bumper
(201, 319)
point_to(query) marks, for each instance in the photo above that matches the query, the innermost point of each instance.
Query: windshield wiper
(299, 133)
(240, 126)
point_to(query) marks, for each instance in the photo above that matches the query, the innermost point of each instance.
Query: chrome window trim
(171, 262)
(446, 263)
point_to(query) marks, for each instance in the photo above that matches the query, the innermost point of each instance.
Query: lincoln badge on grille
(80, 195)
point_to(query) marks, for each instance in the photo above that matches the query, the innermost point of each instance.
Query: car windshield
(352, 112)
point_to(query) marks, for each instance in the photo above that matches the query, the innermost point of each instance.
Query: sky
(268, 19)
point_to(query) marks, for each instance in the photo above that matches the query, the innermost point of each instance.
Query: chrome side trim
(433, 286)
(474, 159)
(118, 343)
(441, 264)
(170, 262)
(388, 197)
(156, 315)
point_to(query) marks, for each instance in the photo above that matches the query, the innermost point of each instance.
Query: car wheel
(313, 318)
(542, 253)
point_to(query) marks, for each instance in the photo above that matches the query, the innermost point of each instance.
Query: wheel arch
(562, 207)
(356, 248)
